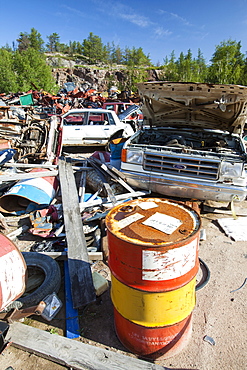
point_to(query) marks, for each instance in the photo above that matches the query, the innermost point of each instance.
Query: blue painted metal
(39, 191)
(72, 321)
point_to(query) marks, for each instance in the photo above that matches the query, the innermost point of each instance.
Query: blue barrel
(38, 191)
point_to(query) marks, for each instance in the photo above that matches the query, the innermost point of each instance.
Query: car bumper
(183, 189)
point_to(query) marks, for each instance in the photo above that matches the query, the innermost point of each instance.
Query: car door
(73, 124)
(98, 127)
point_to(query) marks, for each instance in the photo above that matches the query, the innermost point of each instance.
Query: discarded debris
(245, 281)
(235, 229)
(209, 340)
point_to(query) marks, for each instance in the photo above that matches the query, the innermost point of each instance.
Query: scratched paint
(12, 277)
(143, 252)
(170, 264)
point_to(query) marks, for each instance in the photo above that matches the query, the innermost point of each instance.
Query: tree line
(23, 65)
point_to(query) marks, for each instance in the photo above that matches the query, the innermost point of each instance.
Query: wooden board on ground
(71, 353)
(82, 288)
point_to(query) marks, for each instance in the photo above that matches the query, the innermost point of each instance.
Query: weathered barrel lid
(153, 221)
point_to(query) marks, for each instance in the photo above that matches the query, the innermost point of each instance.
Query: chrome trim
(175, 187)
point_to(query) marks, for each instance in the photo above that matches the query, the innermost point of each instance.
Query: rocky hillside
(100, 78)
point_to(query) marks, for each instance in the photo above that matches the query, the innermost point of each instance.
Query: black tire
(51, 282)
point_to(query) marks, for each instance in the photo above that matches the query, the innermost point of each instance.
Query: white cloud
(73, 10)
(120, 10)
(180, 19)
(175, 16)
(160, 31)
(135, 19)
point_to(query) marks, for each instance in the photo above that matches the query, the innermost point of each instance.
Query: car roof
(85, 110)
(116, 102)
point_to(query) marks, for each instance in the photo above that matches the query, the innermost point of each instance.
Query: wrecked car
(117, 106)
(84, 127)
(191, 143)
(132, 115)
(31, 132)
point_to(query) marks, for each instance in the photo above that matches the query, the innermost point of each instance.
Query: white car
(84, 127)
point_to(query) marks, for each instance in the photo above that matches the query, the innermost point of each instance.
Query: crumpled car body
(190, 145)
(132, 115)
(35, 135)
(85, 127)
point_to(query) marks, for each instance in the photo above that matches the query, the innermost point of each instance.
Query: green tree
(7, 73)
(32, 39)
(136, 57)
(23, 41)
(36, 41)
(181, 67)
(53, 42)
(200, 69)
(92, 48)
(227, 63)
(30, 67)
(170, 68)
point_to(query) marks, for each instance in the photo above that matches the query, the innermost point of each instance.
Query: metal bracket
(16, 314)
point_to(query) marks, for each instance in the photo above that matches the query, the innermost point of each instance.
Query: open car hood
(197, 105)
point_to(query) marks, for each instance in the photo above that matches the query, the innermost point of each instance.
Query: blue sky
(159, 27)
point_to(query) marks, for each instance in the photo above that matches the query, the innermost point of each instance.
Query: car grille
(186, 166)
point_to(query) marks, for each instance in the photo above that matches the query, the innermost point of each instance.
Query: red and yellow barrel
(13, 272)
(153, 257)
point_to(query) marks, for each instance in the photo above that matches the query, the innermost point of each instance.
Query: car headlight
(231, 169)
(132, 156)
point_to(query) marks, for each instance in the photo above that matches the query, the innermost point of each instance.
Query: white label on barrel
(170, 264)
(128, 220)
(12, 274)
(160, 221)
(147, 205)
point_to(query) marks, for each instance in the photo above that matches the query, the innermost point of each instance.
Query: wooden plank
(25, 176)
(29, 165)
(93, 256)
(82, 288)
(118, 197)
(72, 353)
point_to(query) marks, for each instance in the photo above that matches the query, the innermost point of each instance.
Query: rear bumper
(181, 188)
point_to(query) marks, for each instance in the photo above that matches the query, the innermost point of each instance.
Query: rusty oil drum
(153, 258)
(13, 272)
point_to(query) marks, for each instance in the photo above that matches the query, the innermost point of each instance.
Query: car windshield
(74, 119)
(100, 119)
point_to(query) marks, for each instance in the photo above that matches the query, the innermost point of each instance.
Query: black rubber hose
(205, 275)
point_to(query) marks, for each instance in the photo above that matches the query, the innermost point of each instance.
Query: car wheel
(51, 282)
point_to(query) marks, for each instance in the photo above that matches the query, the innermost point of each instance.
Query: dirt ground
(220, 313)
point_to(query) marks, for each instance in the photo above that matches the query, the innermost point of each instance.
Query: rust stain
(136, 232)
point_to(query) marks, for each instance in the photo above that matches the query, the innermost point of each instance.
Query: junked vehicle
(191, 143)
(85, 127)
(132, 115)
(117, 106)
(31, 132)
